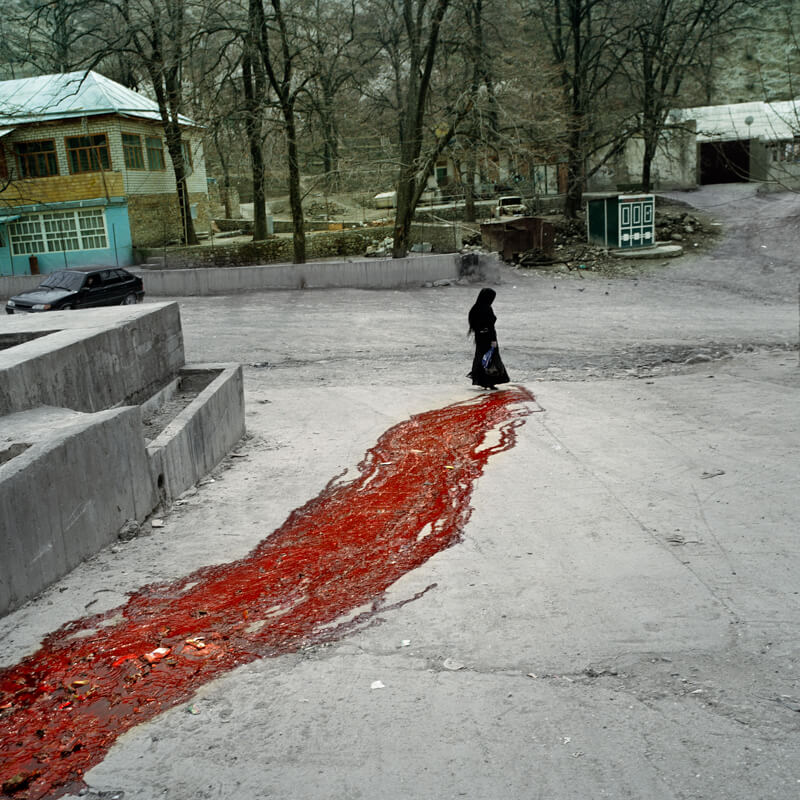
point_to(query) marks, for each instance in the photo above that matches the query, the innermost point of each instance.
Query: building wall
(133, 181)
(674, 166)
(118, 252)
(152, 194)
(87, 186)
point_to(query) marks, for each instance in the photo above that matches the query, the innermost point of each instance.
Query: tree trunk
(406, 191)
(330, 148)
(295, 197)
(173, 137)
(469, 188)
(225, 189)
(226, 194)
(647, 163)
(253, 128)
(411, 180)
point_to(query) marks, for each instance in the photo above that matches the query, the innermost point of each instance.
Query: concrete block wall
(92, 359)
(69, 480)
(197, 439)
(67, 494)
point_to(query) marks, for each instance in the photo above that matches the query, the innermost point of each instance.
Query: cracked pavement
(621, 618)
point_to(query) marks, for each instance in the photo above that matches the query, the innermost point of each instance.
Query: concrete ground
(621, 618)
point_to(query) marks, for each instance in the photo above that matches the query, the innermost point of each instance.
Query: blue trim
(118, 252)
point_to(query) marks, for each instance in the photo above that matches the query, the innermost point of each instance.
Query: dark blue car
(81, 287)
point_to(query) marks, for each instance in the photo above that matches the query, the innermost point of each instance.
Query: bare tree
(329, 30)
(406, 38)
(277, 44)
(156, 32)
(47, 36)
(661, 42)
(579, 34)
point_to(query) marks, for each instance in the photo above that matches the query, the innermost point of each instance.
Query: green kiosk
(621, 221)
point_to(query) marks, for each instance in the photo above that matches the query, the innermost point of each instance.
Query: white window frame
(59, 231)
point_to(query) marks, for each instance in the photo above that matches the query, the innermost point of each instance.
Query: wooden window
(37, 159)
(155, 153)
(132, 150)
(88, 153)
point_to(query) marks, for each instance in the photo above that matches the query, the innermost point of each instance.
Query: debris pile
(571, 250)
(682, 227)
(322, 209)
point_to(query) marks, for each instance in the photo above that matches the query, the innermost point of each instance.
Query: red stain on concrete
(62, 708)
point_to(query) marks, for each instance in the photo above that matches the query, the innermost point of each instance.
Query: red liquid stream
(62, 708)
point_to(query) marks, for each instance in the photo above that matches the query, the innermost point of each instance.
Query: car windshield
(63, 280)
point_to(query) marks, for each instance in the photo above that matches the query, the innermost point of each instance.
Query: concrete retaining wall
(70, 480)
(376, 273)
(14, 284)
(197, 439)
(67, 494)
(98, 359)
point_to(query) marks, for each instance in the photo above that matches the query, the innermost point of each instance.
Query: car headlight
(11, 304)
(41, 307)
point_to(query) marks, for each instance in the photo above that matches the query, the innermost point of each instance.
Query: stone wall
(326, 244)
(216, 197)
(155, 218)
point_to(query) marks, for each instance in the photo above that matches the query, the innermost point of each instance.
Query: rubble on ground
(675, 223)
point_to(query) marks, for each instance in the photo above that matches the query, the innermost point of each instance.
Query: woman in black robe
(481, 324)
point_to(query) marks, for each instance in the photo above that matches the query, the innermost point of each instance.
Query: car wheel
(130, 300)
(67, 307)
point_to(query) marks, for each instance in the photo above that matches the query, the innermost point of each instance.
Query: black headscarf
(481, 314)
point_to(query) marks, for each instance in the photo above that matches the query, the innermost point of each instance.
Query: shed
(620, 220)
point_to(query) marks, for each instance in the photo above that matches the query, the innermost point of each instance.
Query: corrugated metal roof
(766, 121)
(5, 132)
(69, 95)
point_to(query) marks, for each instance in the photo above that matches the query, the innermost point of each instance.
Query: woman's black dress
(482, 319)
